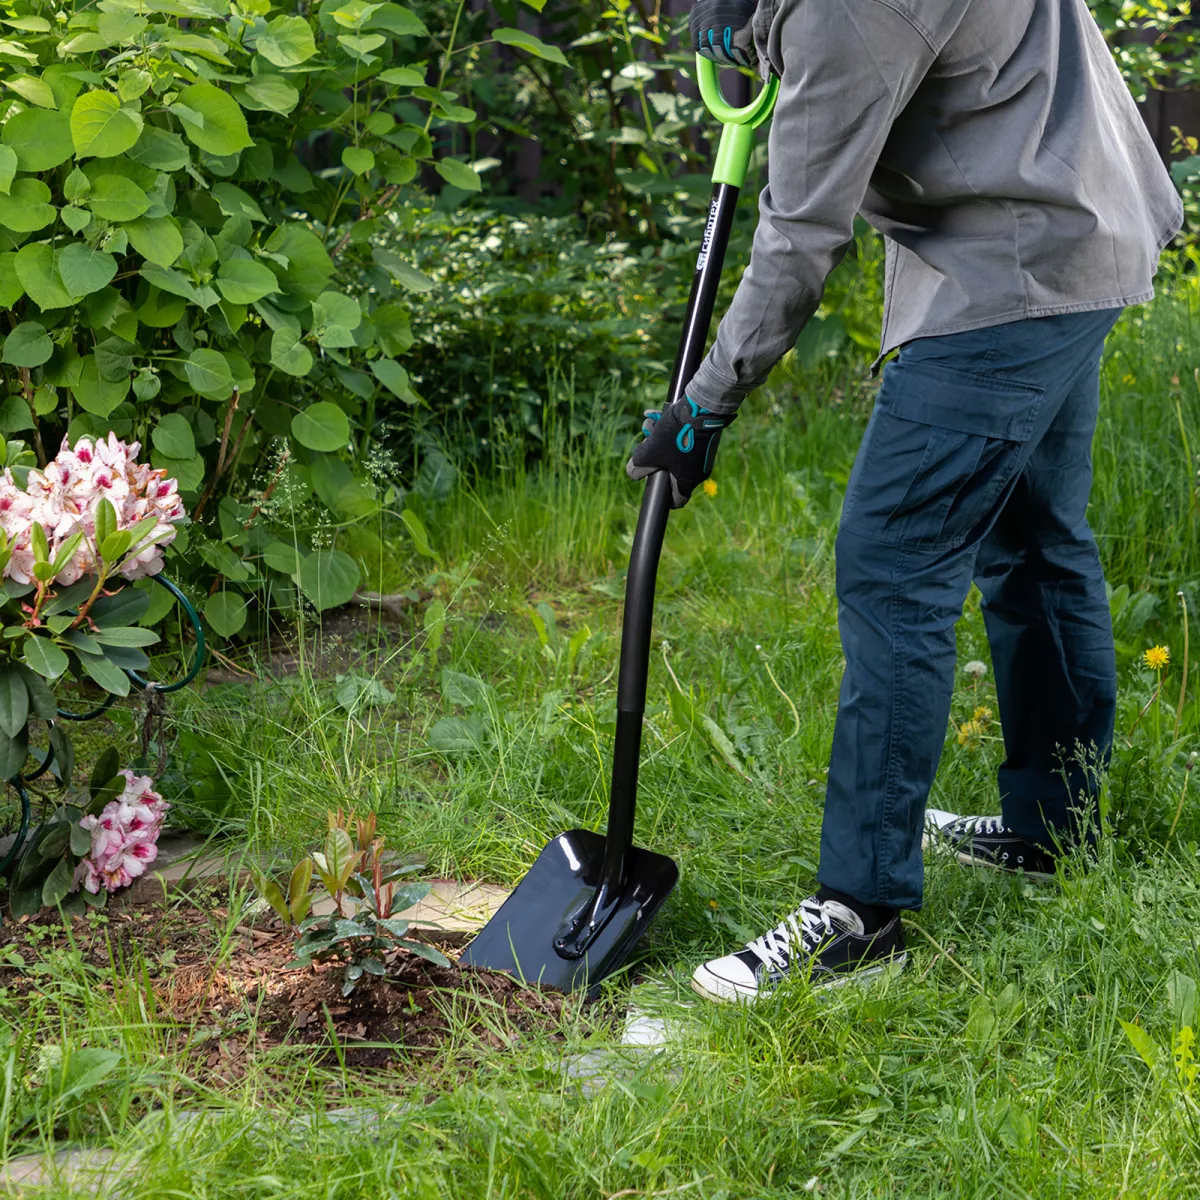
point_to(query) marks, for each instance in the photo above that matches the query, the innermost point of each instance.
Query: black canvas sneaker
(984, 842)
(823, 941)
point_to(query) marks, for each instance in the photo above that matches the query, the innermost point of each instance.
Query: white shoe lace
(810, 925)
(988, 826)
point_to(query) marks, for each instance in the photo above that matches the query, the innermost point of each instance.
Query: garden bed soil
(228, 1008)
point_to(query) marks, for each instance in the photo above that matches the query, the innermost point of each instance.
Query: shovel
(574, 918)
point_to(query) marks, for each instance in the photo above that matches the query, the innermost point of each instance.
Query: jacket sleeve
(847, 68)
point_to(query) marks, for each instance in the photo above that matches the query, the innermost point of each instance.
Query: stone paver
(452, 911)
(85, 1171)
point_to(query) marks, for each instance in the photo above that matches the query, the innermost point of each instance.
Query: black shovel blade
(520, 938)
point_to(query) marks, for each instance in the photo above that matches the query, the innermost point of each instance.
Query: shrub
(174, 272)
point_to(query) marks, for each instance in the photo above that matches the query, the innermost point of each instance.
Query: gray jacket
(992, 142)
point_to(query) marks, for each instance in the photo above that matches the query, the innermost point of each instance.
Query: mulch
(228, 1008)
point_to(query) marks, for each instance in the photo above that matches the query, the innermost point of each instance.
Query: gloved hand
(721, 30)
(681, 440)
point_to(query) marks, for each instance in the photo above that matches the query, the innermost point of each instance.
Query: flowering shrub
(72, 536)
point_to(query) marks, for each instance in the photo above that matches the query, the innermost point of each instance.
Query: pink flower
(64, 499)
(124, 836)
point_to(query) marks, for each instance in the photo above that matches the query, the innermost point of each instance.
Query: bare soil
(229, 1007)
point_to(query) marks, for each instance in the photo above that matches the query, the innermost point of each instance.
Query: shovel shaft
(581, 926)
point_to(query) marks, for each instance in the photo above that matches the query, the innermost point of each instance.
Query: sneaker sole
(862, 975)
(968, 859)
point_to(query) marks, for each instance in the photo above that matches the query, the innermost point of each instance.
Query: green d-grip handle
(737, 136)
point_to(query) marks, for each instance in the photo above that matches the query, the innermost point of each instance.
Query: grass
(996, 1065)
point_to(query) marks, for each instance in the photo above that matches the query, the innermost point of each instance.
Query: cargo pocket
(940, 450)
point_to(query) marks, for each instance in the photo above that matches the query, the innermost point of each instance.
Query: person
(997, 150)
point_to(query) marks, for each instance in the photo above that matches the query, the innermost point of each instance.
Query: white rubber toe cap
(938, 819)
(727, 979)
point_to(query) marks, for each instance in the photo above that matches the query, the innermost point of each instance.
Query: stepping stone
(85, 1171)
(452, 913)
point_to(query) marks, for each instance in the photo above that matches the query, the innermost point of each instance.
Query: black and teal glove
(681, 440)
(722, 30)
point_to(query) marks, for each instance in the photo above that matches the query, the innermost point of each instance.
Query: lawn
(479, 724)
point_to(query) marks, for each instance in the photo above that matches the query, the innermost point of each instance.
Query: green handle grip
(737, 136)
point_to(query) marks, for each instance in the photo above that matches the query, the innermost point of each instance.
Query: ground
(1034, 1046)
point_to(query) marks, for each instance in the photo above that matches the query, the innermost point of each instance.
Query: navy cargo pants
(976, 464)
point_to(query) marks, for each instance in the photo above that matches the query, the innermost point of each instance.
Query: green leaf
(531, 45)
(86, 1069)
(243, 282)
(8, 168)
(209, 374)
(109, 677)
(424, 951)
(416, 530)
(156, 239)
(28, 345)
(287, 42)
(55, 889)
(36, 91)
(268, 93)
(334, 317)
(104, 773)
(43, 656)
(41, 140)
(26, 207)
(97, 395)
(395, 378)
(173, 436)
(402, 77)
(41, 698)
(116, 198)
(234, 202)
(393, 329)
(81, 840)
(358, 160)
(459, 175)
(212, 119)
(160, 150)
(1141, 1041)
(37, 272)
(84, 270)
(329, 578)
(397, 20)
(63, 765)
(226, 613)
(321, 426)
(288, 354)
(125, 635)
(279, 556)
(406, 276)
(101, 128)
(14, 702)
(13, 753)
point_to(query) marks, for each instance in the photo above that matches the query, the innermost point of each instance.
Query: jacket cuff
(713, 391)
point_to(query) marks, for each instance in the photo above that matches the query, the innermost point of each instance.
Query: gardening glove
(681, 440)
(722, 30)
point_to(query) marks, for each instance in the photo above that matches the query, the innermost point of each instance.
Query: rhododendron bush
(74, 535)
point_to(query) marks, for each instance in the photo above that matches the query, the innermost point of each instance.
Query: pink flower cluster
(124, 837)
(64, 497)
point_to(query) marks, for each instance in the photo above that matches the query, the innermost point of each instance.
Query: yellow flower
(982, 716)
(710, 487)
(970, 733)
(1156, 657)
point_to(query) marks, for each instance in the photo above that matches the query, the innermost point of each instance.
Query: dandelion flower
(1156, 657)
(710, 487)
(970, 733)
(982, 716)
(975, 669)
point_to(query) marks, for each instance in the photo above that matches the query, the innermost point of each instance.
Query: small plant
(363, 928)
